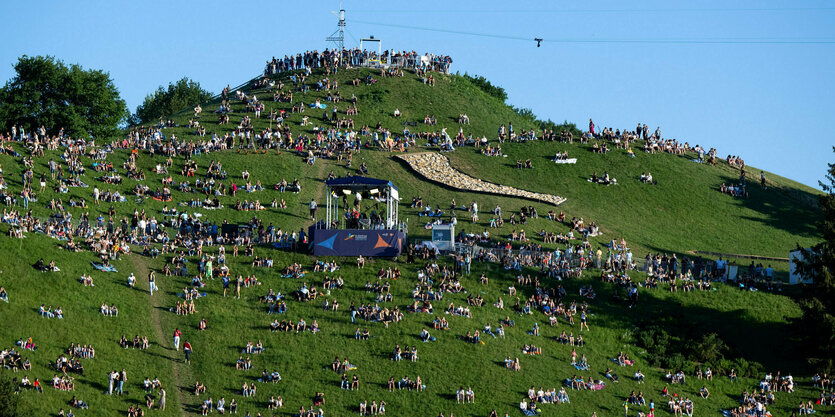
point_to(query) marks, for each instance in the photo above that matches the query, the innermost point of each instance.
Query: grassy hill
(683, 212)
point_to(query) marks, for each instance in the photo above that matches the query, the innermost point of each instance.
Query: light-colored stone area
(435, 167)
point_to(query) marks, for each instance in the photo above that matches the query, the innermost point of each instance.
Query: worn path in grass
(140, 264)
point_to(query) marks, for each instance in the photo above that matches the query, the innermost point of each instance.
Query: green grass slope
(684, 212)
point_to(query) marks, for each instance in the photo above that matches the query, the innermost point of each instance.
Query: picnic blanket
(321, 106)
(566, 161)
(105, 268)
(581, 367)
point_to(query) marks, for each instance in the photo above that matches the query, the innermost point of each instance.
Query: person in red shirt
(37, 385)
(187, 350)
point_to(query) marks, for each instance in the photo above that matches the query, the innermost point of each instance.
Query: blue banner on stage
(350, 242)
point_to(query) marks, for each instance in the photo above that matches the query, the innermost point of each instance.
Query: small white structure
(731, 272)
(443, 236)
(795, 277)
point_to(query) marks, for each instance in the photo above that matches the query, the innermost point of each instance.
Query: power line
(459, 32)
(638, 10)
(730, 41)
(352, 36)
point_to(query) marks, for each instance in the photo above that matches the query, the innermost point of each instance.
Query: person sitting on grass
(274, 403)
(460, 396)
(639, 376)
(531, 350)
(199, 388)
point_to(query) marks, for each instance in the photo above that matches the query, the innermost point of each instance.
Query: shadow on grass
(790, 209)
(746, 336)
(165, 357)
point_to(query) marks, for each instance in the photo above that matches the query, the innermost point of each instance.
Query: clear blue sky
(770, 103)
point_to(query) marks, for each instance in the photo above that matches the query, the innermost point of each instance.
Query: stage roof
(358, 183)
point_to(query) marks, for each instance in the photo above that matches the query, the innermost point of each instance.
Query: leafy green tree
(8, 397)
(179, 95)
(486, 86)
(818, 323)
(46, 92)
(710, 348)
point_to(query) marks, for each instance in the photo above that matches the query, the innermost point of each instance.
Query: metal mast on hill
(338, 37)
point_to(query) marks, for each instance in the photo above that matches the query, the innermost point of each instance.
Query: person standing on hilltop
(591, 127)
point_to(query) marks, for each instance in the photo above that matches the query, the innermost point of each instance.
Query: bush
(484, 85)
(724, 366)
(709, 348)
(8, 396)
(676, 361)
(747, 369)
(655, 340)
(179, 95)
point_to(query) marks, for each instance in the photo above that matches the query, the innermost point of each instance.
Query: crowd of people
(183, 237)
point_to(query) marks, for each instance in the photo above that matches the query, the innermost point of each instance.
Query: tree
(709, 348)
(485, 85)
(8, 396)
(46, 92)
(182, 94)
(819, 310)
